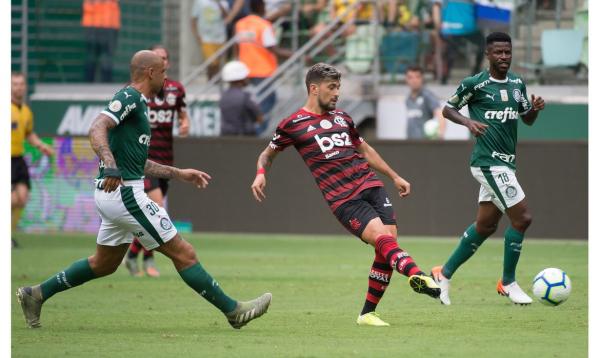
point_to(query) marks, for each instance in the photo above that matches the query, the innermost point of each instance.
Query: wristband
(112, 172)
(261, 171)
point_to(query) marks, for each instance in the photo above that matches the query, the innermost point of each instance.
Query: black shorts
(369, 204)
(20, 172)
(151, 183)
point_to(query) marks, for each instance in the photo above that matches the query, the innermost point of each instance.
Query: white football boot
(444, 284)
(513, 292)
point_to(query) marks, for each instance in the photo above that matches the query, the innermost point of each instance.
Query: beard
(501, 69)
(326, 106)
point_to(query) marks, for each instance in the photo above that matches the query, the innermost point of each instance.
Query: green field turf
(318, 285)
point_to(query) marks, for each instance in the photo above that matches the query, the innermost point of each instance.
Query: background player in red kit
(164, 110)
(342, 164)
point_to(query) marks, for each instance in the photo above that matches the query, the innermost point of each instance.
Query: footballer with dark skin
(497, 99)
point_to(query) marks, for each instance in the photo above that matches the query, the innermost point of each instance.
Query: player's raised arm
(193, 176)
(537, 104)
(376, 162)
(265, 160)
(99, 140)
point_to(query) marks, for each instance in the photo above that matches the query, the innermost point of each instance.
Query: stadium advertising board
(63, 117)
(61, 198)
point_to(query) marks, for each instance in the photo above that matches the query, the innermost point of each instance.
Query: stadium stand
(54, 39)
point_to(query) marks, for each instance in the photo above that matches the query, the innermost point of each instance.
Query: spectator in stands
(276, 9)
(101, 22)
(420, 15)
(312, 12)
(337, 8)
(238, 9)
(433, 22)
(21, 130)
(239, 113)
(258, 49)
(308, 7)
(401, 14)
(459, 27)
(208, 25)
(421, 106)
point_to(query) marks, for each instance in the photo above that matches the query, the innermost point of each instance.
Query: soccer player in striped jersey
(342, 164)
(166, 108)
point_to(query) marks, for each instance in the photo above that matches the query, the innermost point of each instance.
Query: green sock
(467, 246)
(513, 241)
(207, 287)
(78, 273)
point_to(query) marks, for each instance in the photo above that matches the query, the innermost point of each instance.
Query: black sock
(368, 307)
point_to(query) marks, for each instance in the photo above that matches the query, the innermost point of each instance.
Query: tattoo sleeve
(99, 139)
(159, 171)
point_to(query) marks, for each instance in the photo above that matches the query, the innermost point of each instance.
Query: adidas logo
(310, 128)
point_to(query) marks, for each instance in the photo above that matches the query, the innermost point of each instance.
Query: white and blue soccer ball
(552, 286)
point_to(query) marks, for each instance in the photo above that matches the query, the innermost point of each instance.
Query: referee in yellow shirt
(21, 129)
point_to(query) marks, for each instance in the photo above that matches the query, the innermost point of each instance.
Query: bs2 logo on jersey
(336, 140)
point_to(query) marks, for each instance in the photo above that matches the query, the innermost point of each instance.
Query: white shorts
(498, 185)
(128, 211)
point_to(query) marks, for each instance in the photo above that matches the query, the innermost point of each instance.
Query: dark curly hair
(321, 72)
(497, 37)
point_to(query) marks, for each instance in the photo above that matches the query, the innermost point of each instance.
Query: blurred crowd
(432, 36)
(431, 33)
(428, 33)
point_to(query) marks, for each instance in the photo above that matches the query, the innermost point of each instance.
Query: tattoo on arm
(265, 159)
(99, 139)
(159, 171)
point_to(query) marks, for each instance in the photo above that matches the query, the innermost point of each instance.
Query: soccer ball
(552, 286)
(430, 128)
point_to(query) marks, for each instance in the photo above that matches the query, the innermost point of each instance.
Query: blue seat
(398, 50)
(562, 47)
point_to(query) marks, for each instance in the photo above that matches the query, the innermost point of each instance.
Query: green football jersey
(130, 139)
(499, 104)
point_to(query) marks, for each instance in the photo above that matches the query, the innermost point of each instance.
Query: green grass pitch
(318, 285)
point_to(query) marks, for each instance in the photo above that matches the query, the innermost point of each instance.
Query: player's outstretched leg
(513, 241)
(104, 262)
(402, 262)
(488, 216)
(468, 245)
(379, 279)
(238, 313)
(131, 260)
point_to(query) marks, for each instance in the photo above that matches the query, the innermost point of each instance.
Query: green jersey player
(497, 99)
(120, 135)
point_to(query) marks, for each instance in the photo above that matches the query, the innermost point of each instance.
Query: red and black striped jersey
(163, 111)
(328, 145)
